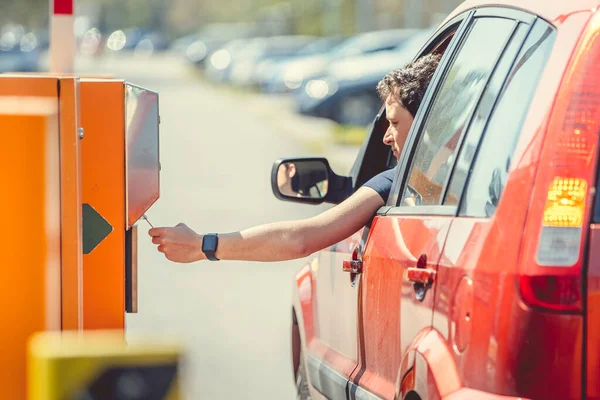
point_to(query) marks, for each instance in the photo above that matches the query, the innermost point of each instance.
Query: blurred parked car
(19, 50)
(219, 66)
(199, 46)
(270, 48)
(42, 38)
(159, 41)
(347, 92)
(181, 44)
(199, 51)
(133, 36)
(140, 41)
(295, 73)
(16, 60)
(269, 70)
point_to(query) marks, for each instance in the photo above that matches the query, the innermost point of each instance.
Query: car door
(406, 242)
(332, 344)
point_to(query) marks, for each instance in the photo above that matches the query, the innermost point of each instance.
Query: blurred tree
(185, 16)
(177, 17)
(33, 14)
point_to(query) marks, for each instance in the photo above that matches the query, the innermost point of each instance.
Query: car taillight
(552, 257)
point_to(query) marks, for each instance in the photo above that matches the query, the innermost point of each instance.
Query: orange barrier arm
(64, 91)
(30, 208)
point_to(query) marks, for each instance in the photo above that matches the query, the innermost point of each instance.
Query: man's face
(285, 173)
(400, 122)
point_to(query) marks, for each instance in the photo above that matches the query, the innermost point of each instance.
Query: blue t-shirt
(382, 183)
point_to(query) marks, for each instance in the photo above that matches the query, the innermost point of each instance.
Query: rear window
(494, 157)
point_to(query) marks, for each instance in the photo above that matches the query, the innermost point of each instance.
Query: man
(403, 91)
(287, 180)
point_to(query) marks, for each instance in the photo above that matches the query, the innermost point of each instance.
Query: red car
(488, 287)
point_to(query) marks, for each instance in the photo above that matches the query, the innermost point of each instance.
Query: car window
(481, 116)
(452, 109)
(490, 170)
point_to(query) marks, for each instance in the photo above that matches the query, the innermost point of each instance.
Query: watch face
(209, 243)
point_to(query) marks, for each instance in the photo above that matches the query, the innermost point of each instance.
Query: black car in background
(296, 73)
(346, 93)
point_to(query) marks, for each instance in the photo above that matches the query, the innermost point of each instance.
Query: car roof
(550, 10)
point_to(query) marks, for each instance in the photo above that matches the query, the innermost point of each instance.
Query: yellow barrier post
(100, 365)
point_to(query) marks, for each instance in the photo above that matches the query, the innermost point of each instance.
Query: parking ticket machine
(120, 169)
(81, 167)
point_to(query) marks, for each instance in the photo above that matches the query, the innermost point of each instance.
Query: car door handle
(425, 276)
(352, 266)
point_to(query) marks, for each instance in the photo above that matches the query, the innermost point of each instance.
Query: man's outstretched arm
(277, 241)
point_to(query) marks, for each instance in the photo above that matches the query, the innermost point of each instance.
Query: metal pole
(62, 36)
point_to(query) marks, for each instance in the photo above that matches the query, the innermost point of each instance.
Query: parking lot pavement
(216, 153)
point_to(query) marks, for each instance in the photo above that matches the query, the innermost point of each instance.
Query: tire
(412, 396)
(303, 393)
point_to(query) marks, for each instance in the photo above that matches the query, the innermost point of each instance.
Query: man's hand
(179, 244)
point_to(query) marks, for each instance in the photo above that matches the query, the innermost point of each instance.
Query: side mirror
(418, 199)
(495, 191)
(308, 180)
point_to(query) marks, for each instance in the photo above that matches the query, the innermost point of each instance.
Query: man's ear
(291, 170)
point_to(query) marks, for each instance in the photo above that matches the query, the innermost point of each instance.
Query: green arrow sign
(95, 228)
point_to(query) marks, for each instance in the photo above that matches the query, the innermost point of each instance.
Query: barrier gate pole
(62, 36)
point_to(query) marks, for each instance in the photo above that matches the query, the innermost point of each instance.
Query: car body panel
(593, 314)
(327, 299)
(390, 316)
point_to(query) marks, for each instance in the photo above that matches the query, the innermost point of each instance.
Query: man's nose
(387, 138)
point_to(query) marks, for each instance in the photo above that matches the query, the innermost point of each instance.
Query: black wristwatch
(210, 242)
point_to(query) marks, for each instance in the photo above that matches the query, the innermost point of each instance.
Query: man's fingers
(164, 247)
(157, 232)
(158, 240)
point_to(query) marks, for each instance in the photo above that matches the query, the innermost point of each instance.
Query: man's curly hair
(409, 84)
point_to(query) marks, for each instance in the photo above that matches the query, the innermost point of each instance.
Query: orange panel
(30, 213)
(103, 169)
(68, 90)
(29, 86)
(54, 75)
(72, 260)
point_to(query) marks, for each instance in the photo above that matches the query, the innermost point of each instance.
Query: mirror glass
(412, 197)
(303, 178)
